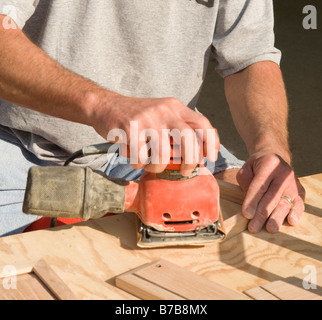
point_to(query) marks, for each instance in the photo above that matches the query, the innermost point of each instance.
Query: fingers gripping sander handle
(71, 192)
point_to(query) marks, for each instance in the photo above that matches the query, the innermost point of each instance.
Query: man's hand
(259, 107)
(267, 178)
(36, 81)
(162, 116)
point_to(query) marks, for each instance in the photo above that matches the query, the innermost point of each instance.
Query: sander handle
(72, 192)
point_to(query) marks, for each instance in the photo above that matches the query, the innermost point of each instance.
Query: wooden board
(162, 280)
(88, 256)
(231, 192)
(258, 293)
(292, 288)
(231, 199)
(32, 281)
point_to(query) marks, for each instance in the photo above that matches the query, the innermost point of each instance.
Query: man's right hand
(37, 82)
(162, 115)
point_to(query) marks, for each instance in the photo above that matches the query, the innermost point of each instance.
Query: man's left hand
(273, 193)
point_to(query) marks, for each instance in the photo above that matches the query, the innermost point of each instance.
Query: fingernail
(272, 226)
(254, 226)
(249, 213)
(293, 219)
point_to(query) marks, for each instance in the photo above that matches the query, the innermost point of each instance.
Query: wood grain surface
(32, 281)
(304, 286)
(162, 280)
(88, 256)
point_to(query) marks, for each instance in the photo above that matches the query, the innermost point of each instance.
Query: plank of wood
(287, 291)
(165, 280)
(144, 289)
(291, 288)
(53, 281)
(28, 287)
(231, 199)
(231, 192)
(258, 293)
(33, 281)
(235, 225)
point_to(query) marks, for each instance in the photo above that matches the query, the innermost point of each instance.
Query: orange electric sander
(171, 209)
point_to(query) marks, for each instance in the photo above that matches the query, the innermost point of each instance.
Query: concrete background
(302, 70)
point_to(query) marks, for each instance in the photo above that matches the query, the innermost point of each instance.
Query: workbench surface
(88, 256)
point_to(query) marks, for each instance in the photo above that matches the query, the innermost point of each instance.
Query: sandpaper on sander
(171, 209)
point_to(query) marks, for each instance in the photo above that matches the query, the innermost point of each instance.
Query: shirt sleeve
(19, 11)
(244, 35)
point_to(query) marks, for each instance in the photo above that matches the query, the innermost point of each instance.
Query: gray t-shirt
(141, 48)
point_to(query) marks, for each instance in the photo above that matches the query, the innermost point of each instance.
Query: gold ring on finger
(289, 200)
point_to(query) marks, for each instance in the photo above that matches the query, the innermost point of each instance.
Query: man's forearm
(29, 77)
(258, 103)
(259, 108)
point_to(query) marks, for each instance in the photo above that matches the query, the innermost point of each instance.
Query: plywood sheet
(313, 197)
(109, 246)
